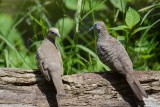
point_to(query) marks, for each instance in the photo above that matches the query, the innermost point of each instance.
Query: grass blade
(14, 49)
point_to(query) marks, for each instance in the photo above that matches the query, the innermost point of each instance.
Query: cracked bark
(28, 88)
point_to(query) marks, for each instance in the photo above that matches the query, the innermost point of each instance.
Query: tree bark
(28, 88)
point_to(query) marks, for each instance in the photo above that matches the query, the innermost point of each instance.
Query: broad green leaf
(65, 25)
(120, 4)
(121, 27)
(132, 17)
(70, 4)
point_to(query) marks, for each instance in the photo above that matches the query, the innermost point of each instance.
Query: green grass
(136, 28)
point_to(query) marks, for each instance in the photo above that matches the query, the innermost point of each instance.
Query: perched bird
(113, 54)
(50, 61)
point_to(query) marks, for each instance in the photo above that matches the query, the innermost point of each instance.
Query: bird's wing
(42, 64)
(124, 58)
(109, 55)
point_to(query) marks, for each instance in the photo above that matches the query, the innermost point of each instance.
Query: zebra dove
(50, 61)
(112, 53)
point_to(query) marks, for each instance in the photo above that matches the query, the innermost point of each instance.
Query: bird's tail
(136, 87)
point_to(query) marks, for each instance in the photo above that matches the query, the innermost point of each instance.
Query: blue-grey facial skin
(96, 26)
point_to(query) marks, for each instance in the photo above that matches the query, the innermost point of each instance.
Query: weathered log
(28, 88)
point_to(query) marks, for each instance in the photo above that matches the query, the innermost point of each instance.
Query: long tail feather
(136, 87)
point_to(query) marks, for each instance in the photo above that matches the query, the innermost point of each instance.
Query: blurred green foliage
(24, 24)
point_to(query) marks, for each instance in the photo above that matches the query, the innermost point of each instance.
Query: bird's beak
(59, 35)
(91, 28)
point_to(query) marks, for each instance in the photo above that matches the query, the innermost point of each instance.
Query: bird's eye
(52, 32)
(95, 25)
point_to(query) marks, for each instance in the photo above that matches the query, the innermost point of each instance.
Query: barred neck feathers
(103, 33)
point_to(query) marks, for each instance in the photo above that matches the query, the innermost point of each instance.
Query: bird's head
(53, 32)
(97, 25)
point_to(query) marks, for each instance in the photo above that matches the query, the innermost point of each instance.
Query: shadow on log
(28, 88)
